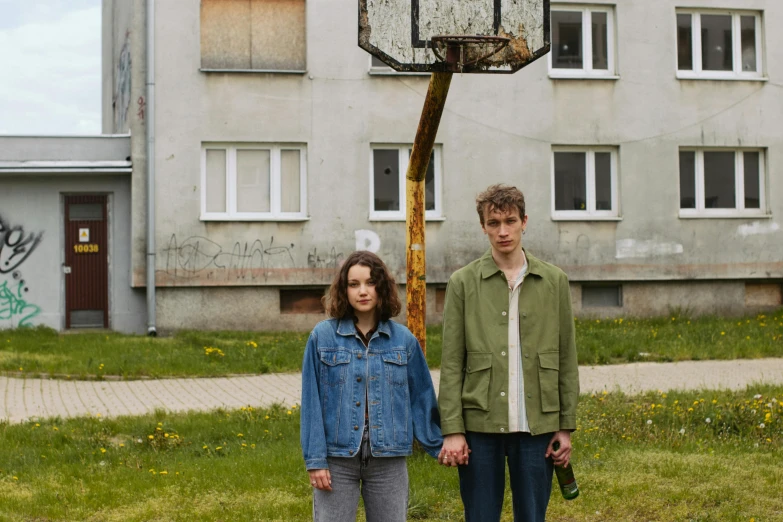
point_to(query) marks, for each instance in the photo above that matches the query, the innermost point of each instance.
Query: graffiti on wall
(198, 255)
(201, 260)
(16, 245)
(122, 91)
(13, 306)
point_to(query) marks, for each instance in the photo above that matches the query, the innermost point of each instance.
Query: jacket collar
(346, 327)
(489, 268)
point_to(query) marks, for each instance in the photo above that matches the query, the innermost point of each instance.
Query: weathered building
(65, 233)
(648, 144)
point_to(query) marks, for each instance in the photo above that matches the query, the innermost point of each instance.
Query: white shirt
(517, 413)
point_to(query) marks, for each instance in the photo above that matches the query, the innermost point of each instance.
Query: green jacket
(474, 365)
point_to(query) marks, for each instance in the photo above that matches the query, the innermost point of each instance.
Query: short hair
(501, 198)
(336, 301)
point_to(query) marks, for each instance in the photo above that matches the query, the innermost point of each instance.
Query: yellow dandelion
(240, 435)
(150, 437)
(16, 478)
(219, 448)
(103, 450)
(204, 446)
(164, 472)
(289, 412)
(122, 445)
(56, 428)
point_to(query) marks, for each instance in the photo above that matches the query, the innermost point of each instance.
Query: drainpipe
(151, 330)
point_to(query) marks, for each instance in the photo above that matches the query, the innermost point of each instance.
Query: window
(721, 182)
(718, 45)
(584, 183)
(377, 67)
(388, 165)
(582, 42)
(602, 295)
(253, 182)
(301, 301)
(253, 35)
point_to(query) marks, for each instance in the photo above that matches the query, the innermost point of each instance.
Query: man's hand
(321, 479)
(454, 451)
(562, 456)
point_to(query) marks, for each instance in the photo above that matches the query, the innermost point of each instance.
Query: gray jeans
(384, 487)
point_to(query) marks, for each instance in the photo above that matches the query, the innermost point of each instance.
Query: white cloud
(50, 74)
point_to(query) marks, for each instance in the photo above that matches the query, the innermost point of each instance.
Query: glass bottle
(565, 478)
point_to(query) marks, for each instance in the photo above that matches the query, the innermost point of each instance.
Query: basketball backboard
(400, 33)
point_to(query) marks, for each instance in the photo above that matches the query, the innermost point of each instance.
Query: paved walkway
(22, 398)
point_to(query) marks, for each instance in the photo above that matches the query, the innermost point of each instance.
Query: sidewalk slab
(22, 399)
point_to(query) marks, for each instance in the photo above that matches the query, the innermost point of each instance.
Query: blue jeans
(384, 488)
(483, 481)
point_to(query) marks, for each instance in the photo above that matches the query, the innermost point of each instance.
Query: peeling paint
(626, 248)
(757, 228)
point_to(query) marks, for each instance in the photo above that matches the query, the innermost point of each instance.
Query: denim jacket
(339, 376)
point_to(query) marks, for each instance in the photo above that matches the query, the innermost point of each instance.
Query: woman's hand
(321, 479)
(455, 450)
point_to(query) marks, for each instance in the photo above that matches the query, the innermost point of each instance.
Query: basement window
(301, 301)
(595, 296)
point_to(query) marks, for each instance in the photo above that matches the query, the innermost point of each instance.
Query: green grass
(194, 353)
(678, 338)
(246, 465)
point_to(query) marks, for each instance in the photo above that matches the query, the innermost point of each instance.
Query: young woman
(366, 393)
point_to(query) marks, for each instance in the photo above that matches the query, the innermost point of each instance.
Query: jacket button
(358, 379)
(527, 355)
(350, 452)
(503, 353)
(359, 356)
(358, 403)
(502, 430)
(502, 394)
(355, 428)
(503, 313)
(529, 395)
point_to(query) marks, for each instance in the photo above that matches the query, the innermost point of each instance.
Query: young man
(509, 380)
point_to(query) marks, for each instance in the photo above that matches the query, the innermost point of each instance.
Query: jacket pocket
(475, 390)
(549, 380)
(396, 367)
(396, 416)
(334, 365)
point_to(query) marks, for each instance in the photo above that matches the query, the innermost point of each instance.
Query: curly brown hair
(501, 198)
(336, 301)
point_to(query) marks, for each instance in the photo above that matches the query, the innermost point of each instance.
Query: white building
(648, 145)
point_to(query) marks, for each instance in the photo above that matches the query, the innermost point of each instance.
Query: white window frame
(739, 211)
(386, 70)
(589, 213)
(399, 215)
(275, 213)
(697, 73)
(587, 70)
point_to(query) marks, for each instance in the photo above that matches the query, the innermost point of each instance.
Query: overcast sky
(50, 67)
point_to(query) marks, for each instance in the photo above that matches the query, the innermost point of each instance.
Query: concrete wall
(35, 204)
(494, 129)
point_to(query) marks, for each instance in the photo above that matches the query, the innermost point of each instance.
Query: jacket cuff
(568, 422)
(451, 427)
(312, 464)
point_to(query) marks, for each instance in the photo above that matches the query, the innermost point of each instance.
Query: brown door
(86, 262)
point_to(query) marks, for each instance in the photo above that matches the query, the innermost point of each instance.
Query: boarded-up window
(763, 294)
(301, 301)
(253, 35)
(440, 300)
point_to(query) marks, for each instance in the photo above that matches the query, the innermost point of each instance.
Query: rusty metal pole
(416, 284)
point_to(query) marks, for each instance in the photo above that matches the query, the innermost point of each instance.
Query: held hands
(321, 479)
(455, 450)
(562, 456)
